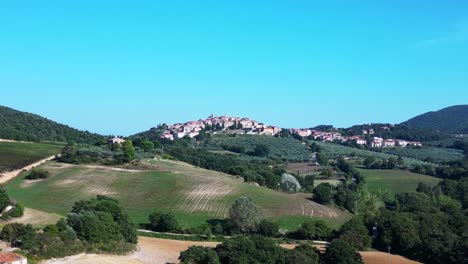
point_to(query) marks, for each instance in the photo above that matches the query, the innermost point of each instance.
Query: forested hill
(19, 125)
(453, 119)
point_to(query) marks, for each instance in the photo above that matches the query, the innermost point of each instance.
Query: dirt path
(6, 176)
(10, 140)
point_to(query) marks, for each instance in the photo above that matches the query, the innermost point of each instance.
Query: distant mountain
(19, 125)
(453, 119)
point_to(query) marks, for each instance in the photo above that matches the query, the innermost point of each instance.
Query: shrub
(163, 222)
(323, 193)
(37, 174)
(268, 228)
(199, 255)
(341, 252)
(313, 230)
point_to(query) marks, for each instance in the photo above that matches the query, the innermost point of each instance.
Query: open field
(395, 181)
(15, 155)
(193, 194)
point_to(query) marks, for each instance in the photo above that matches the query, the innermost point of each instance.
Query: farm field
(333, 151)
(193, 194)
(395, 181)
(280, 148)
(15, 155)
(433, 153)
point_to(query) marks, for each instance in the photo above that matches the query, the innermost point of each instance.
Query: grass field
(193, 194)
(15, 155)
(395, 181)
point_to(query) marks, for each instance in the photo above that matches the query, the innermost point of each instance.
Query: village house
(12, 258)
(116, 140)
(376, 142)
(389, 143)
(358, 140)
(402, 143)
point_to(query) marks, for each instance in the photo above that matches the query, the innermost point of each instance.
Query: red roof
(9, 257)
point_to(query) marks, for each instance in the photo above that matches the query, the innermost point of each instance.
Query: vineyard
(15, 155)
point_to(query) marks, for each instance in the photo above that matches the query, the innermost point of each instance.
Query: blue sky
(120, 67)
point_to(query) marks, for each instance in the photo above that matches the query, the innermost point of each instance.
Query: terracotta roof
(9, 257)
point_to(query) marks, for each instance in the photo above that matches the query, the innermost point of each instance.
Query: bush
(17, 211)
(313, 230)
(268, 228)
(356, 234)
(199, 255)
(37, 174)
(323, 193)
(341, 252)
(163, 222)
(303, 254)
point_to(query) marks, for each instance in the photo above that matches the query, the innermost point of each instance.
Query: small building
(376, 142)
(389, 143)
(12, 258)
(116, 140)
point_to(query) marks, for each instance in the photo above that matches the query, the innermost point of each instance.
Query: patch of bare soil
(382, 257)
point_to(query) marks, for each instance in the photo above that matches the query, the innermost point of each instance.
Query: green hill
(453, 119)
(19, 125)
(193, 194)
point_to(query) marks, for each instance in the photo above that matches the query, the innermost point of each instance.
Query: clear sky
(120, 67)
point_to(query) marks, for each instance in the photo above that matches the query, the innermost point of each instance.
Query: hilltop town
(237, 125)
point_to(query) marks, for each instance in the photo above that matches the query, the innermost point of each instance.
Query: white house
(116, 140)
(389, 143)
(376, 142)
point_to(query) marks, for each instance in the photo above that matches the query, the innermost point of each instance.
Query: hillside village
(237, 125)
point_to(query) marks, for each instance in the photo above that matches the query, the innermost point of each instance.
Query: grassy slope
(282, 148)
(15, 155)
(333, 150)
(193, 194)
(436, 154)
(395, 181)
